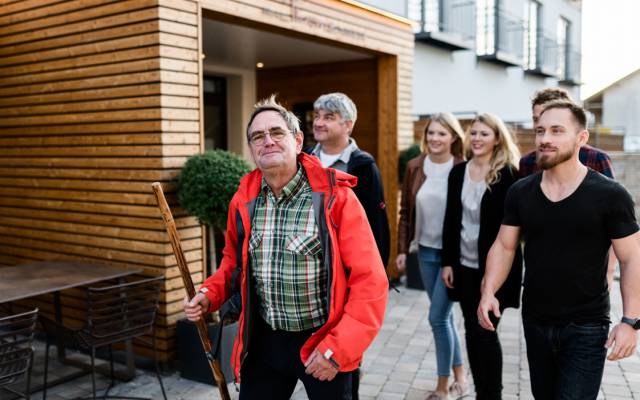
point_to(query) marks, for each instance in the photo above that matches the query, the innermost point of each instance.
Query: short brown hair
(576, 110)
(549, 94)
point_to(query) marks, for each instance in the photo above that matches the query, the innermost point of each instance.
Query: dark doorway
(215, 137)
(304, 112)
(215, 112)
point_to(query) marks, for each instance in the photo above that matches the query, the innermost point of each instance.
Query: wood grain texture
(99, 98)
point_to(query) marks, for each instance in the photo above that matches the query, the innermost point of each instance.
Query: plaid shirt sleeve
(597, 160)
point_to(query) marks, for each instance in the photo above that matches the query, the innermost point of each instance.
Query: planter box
(193, 363)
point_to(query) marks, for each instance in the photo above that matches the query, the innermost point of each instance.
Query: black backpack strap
(233, 306)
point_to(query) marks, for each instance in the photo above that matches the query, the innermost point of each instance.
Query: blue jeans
(445, 335)
(566, 362)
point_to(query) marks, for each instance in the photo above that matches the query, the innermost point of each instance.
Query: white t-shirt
(471, 197)
(431, 203)
(327, 160)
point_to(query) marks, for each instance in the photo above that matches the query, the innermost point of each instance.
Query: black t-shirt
(566, 246)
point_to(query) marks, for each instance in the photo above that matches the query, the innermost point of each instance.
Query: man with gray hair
(335, 115)
(300, 256)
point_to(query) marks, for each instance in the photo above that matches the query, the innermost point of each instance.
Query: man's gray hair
(337, 103)
(270, 104)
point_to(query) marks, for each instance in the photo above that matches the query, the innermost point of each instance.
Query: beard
(548, 161)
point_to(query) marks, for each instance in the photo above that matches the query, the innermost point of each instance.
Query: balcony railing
(546, 55)
(510, 36)
(502, 37)
(444, 23)
(570, 74)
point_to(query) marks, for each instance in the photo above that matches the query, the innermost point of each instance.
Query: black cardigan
(491, 212)
(370, 193)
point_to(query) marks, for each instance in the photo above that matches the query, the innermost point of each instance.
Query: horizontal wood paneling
(98, 99)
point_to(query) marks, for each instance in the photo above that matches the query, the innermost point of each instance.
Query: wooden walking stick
(188, 284)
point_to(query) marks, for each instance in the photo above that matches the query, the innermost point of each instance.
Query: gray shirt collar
(345, 155)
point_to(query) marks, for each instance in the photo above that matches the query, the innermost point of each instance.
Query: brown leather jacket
(414, 177)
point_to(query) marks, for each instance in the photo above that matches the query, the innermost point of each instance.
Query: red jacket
(357, 286)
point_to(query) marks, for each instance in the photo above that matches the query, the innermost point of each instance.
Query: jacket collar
(319, 178)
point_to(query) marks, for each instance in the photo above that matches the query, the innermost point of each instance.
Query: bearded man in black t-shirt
(568, 215)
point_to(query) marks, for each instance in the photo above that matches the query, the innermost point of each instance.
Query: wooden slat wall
(98, 98)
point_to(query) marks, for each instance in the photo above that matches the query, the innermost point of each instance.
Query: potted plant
(206, 185)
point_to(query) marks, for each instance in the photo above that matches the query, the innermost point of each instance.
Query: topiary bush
(404, 157)
(207, 183)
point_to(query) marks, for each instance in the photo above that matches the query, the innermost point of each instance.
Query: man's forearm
(630, 287)
(497, 269)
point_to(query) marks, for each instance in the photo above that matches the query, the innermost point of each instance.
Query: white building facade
(475, 56)
(617, 109)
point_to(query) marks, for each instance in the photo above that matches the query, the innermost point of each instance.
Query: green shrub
(404, 157)
(207, 183)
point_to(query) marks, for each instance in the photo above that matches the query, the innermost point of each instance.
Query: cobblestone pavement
(399, 365)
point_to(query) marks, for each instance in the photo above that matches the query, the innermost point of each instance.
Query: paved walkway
(399, 365)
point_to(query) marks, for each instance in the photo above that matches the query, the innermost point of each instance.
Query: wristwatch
(328, 355)
(634, 322)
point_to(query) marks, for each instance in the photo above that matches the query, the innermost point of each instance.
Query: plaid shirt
(286, 257)
(593, 158)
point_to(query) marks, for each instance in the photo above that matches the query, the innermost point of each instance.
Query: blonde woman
(424, 198)
(475, 201)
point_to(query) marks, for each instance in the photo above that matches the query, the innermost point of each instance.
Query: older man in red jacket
(311, 280)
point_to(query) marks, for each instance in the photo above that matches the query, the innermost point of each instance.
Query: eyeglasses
(276, 134)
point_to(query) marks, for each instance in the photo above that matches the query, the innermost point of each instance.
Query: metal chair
(115, 313)
(16, 351)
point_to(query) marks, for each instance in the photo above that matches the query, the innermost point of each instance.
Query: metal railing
(541, 55)
(509, 34)
(572, 66)
(453, 17)
(500, 32)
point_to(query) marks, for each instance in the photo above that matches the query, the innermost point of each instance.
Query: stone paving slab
(399, 365)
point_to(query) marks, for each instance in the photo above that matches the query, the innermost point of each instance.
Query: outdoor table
(43, 277)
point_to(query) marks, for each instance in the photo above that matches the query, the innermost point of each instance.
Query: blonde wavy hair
(452, 125)
(504, 153)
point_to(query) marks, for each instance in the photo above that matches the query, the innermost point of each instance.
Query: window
(532, 26)
(486, 27)
(562, 41)
(415, 9)
(449, 24)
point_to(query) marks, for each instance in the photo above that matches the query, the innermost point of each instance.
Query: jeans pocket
(595, 328)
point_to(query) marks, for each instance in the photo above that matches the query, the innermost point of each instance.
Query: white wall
(626, 167)
(621, 110)
(398, 7)
(459, 82)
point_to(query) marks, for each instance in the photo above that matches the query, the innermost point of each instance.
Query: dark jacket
(370, 193)
(491, 212)
(414, 177)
